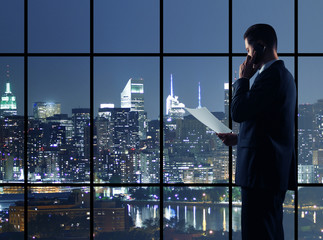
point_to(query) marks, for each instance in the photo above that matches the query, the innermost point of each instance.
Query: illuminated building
(105, 110)
(63, 121)
(11, 147)
(43, 110)
(11, 190)
(306, 140)
(117, 139)
(174, 109)
(306, 173)
(8, 105)
(81, 121)
(108, 217)
(132, 97)
(126, 127)
(35, 148)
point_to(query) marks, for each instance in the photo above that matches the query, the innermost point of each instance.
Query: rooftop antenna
(171, 85)
(8, 90)
(199, 95)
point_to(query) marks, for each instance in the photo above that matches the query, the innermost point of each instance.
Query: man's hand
(248, 68)
(229, 139)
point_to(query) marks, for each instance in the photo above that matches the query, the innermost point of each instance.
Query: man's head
(261, 36)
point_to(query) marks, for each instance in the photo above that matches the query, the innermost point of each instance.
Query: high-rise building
(81, 121)
(8, 105)
(132, 97)
(43, 110)
(306, 143)
(174, 109)
(11, 147)
(117, 136)
(64, 121)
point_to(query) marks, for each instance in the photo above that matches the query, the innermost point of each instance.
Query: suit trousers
(262, 214)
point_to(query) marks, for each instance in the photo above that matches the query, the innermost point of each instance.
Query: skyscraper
(306, 143)
(132, 97)
(43, 110)
(8, 105)
(174, 109)
(81, 121)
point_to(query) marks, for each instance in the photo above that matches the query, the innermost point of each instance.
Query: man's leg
(262, 214)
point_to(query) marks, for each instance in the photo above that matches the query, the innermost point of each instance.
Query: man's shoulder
(276, 70)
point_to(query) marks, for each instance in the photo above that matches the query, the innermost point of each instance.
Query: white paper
(208, 119)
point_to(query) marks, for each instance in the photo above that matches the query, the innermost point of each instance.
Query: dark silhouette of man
(266, 165)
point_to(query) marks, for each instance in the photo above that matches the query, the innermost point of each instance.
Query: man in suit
(266, 165)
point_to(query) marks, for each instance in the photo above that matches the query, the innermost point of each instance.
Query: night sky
(62, 26)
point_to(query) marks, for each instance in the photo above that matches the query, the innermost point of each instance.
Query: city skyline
(307, 93)
(126, 144)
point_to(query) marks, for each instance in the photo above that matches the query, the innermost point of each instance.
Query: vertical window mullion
(230, 119)
(91, 122)
(25, 119)
(296, 112)
(161, 125)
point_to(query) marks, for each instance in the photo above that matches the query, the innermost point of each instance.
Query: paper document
(208, 119)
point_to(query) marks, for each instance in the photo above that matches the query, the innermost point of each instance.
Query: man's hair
(263, 32)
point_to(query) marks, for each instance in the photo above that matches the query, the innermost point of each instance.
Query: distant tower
(174, 109)
(132, 97)
(8, 105)
(81, 122)
(199, 96)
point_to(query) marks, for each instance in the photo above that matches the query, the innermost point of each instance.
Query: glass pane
(199, 212)
(192, 152)
(126, 26)
(59, 26)
(288, 217)
(12, 213)
(310, 212)
(310, 21)
(12, 119)
(279, 14)
(126, 109)
(310, 121)
(122, 213)
(12, 26)
(59, 212)
(196, 26)
(236, 62)
(59, 116)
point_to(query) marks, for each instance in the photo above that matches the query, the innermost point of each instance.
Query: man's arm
(246, 104)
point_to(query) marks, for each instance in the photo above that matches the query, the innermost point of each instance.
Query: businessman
(266, 166)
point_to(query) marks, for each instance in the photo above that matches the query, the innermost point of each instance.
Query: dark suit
(265, 153)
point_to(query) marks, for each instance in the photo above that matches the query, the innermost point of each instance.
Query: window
(95, 141)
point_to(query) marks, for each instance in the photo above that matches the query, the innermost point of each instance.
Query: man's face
(249, 48)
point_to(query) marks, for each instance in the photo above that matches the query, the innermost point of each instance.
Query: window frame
(229, 54)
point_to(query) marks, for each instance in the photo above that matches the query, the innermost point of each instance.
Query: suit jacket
(266, 113)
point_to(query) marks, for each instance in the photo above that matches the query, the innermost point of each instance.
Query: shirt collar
(267, 65)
